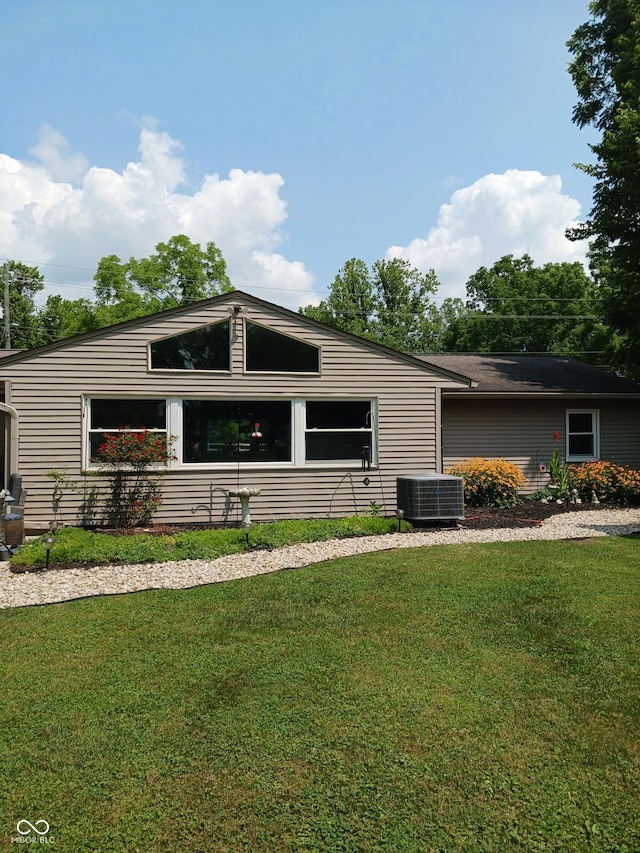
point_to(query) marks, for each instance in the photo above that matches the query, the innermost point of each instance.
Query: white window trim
(87, 431)
(372, 431)
(595, 422)
(298, 433)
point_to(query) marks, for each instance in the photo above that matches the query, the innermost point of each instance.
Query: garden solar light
(48, 542)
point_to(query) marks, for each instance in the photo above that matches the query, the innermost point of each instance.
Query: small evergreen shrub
(607, 482)
(489, 482)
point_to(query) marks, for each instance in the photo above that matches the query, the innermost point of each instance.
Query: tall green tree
(23, 283)
(389, 303)
(61, 318)
(179, 271)
(606, 73)
(516, 307)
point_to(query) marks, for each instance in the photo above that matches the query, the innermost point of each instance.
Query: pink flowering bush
(131, 461)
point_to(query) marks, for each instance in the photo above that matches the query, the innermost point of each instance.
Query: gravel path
(20, 590)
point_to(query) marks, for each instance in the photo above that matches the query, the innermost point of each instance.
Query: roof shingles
(533, 374)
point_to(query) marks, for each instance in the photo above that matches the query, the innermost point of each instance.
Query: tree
(61, 318)
(24, 283)
(388, 303)
(179, 271)
(606, 73)
(516, 307)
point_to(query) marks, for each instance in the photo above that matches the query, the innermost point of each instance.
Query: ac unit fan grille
(425, 498)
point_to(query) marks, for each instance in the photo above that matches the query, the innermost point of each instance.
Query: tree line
(511, 307)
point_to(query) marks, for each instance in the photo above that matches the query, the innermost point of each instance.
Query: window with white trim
(107, 417)
(338, 429)
(583, 435)
(218, 432)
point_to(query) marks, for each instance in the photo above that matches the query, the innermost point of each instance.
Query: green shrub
(608, 482)
(75, 545)
(489, 482)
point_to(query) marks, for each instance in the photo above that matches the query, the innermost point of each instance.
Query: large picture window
(206, 348)
(582, 435)
(109, 416)
(210, 432)
(236, 431)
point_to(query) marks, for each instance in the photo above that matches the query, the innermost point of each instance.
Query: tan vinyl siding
(48, 391)
(522, 431)
(620, 433)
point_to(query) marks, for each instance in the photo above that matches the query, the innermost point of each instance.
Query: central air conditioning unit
(429, 497)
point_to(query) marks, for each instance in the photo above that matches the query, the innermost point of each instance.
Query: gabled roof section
(523, 374)
(236, 297)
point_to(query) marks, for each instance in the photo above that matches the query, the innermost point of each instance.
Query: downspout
(438, 436)
(14, 444)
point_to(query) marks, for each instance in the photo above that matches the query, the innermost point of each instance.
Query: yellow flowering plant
(489, 482)
(606, 482)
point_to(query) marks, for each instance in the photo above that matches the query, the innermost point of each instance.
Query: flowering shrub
(134, 495)
(135, 449)
(489, 482)
(606, 481)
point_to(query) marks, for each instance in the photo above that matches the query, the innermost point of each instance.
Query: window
(266, 350)
(236, 431)
(338, 430)
(211, 432)
(582, 435)
(110, 416)
(206, 348)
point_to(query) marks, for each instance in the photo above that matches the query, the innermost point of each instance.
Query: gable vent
(428, 497)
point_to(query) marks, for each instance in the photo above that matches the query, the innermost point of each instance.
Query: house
(251, 395)
(523, 407)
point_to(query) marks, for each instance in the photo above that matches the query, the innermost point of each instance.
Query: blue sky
(294, 135)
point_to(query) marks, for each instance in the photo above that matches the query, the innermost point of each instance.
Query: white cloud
(53, 153)
(47, 220)
(514, 213)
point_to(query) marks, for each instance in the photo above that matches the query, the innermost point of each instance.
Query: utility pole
(7, 322)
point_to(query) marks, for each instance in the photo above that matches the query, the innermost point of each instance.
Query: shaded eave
(246, 299)
(539, 395)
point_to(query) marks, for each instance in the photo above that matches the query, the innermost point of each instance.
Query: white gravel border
(32, 588)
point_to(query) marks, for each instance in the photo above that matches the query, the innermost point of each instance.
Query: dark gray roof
(518, 374)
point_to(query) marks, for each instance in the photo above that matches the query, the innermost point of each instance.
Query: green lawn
(458, 698)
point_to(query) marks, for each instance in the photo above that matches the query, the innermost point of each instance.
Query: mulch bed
(526, 514)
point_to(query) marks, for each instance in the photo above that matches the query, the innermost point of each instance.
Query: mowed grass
(459, 698)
